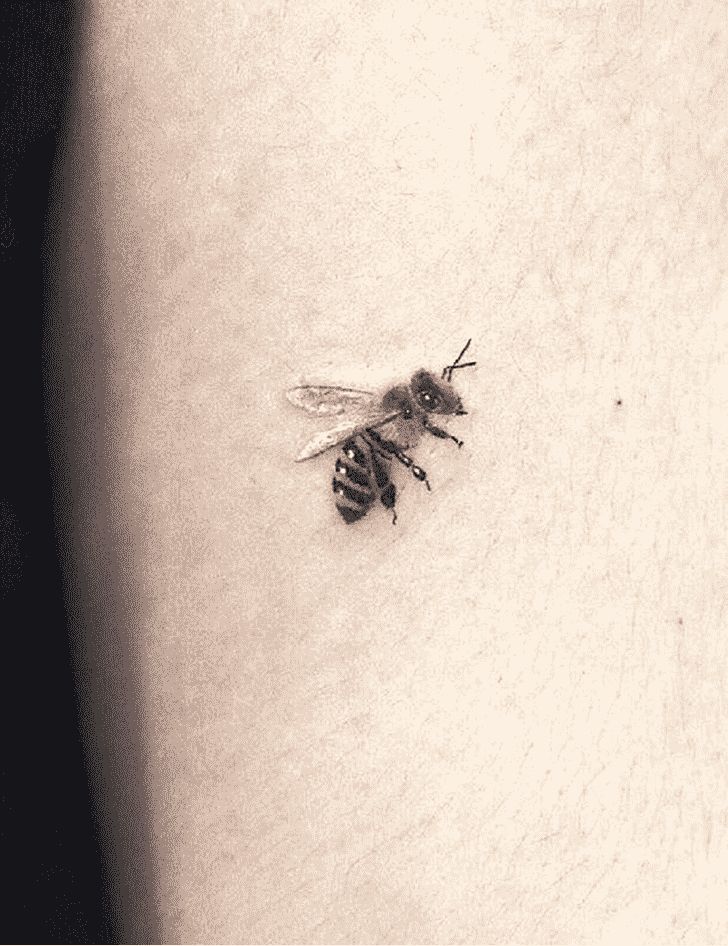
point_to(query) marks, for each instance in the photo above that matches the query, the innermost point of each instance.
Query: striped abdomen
(361, 475)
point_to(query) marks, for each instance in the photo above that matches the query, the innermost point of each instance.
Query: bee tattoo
(377, 429)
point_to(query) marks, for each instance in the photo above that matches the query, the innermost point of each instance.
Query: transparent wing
(327, 439)
(326, 400)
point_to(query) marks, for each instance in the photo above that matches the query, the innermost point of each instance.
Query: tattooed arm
(501, 720)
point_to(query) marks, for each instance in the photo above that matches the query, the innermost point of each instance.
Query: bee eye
(429, 399)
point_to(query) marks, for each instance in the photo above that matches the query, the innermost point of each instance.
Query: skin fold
(503, 720)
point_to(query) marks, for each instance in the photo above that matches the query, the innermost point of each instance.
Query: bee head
(435, 396)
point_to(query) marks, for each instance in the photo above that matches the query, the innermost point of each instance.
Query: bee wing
(327, 439)
(325, 400)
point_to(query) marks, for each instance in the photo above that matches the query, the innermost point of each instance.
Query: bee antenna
(448, 369)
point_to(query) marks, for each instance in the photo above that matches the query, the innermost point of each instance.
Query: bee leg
(385, 449)
(419, 474)
(388, 497)
(442, 434)
(416, 471)
(380, 461)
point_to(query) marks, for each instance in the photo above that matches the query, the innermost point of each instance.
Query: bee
(377, 429)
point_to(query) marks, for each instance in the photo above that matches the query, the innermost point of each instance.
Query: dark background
(54, 887)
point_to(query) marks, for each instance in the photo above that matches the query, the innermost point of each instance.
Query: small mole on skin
(619, 402)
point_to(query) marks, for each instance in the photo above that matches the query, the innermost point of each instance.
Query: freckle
(679, 621)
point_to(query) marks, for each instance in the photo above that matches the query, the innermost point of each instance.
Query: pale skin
(504, 719)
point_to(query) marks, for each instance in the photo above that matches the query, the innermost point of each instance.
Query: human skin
(504, 719)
